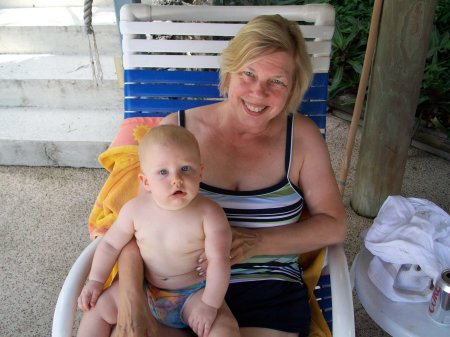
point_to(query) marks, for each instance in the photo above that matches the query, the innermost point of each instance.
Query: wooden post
(394, 89)
(362, 87)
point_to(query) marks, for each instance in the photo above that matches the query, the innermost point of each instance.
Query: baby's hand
(202, 318)
(89, 295)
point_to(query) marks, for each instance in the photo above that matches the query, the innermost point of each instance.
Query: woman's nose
(260, 88)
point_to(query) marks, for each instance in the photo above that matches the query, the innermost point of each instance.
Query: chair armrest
(66, 306)
(341, 290)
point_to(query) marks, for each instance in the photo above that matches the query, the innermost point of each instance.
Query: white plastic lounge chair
(178, 71)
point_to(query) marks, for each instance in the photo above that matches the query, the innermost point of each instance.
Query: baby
(172, 224)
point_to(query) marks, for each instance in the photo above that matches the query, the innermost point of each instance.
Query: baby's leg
(100, 319)
(225, 325)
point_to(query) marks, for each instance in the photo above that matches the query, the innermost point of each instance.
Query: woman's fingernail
(200, 260)
(198, 268)
(201, 273)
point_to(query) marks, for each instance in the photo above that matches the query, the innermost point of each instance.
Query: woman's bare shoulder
(171, 119)
(305, 123)
(309, 146)
(196, 116)
(306, 131)
(204, 113)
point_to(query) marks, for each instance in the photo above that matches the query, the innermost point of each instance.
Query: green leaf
(437, 124)
(337, 78)
(356, 65)
(338, 40)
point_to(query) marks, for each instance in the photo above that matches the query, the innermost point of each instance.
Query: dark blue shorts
(277, 305)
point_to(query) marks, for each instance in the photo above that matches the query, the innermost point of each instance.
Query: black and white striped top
(277, 205)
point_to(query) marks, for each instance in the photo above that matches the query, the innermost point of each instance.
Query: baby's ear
(144, 181)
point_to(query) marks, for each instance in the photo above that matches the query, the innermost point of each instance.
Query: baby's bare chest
(177, 237)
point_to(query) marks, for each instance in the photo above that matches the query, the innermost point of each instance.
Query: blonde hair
(168, 135)
(263, 35)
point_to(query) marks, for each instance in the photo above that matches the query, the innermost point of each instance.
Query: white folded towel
(408, 231)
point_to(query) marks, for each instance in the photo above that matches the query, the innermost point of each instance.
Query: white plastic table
(396, 318)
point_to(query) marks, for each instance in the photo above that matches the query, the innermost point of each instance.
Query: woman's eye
(163, 172)
(185, 168)
(247, 73)
(278, 82)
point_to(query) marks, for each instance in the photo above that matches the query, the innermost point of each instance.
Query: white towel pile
(410, 239)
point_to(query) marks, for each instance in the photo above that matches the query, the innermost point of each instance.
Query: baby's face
(173, 173)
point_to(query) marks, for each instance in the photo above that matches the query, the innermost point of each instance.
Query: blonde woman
(263, 164)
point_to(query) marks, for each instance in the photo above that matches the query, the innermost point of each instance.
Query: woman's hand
(245, 244)
(202, 265)
(134, 318)
(133, 313)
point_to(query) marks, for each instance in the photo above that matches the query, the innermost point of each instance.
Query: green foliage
(434, 103)
(349, 45)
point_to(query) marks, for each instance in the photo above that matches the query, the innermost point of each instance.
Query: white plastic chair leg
(66, 306)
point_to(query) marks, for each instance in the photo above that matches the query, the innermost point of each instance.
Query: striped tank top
(277, 205)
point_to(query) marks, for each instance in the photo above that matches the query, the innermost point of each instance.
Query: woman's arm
(315, 177)
(134, 317)
(304, 236)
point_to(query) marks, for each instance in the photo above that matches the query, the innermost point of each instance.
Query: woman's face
(260, 90)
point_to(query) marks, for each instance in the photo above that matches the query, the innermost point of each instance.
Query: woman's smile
(254, 108)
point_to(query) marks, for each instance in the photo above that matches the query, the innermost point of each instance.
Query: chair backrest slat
(319, 14)
(320, 64)
(210, 29)
(164, 46)
(202, 46)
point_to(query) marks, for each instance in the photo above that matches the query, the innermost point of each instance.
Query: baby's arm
(105, 256)
(217, 249)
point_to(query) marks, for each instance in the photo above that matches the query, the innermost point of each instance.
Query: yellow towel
(121, 161)
(122, 185)
(312, 264)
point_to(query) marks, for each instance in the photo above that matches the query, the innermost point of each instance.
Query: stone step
(52, 112)
(56, 30)
(55, 137)
(58, 81)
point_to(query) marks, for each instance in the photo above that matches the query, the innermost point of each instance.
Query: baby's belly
(171, 271)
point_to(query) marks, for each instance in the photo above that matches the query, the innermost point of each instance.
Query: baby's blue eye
(185, 168)
(163, 172)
